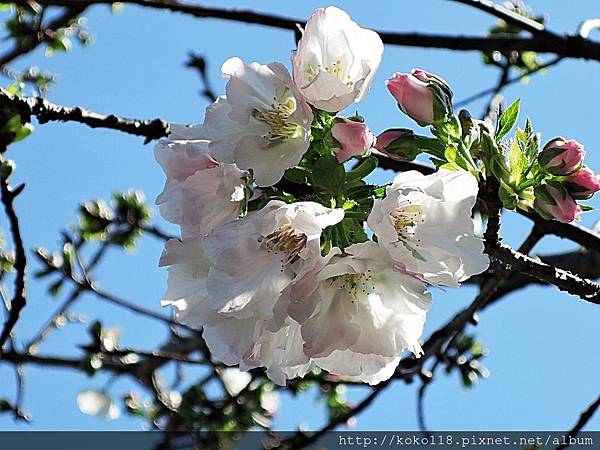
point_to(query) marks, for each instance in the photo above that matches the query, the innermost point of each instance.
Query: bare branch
(46, 111)
(511, 17)
(301, 439)
(19, 300)
(584, 418)
(44, 34)
(585, 264)
(566, 281)
(513, 80)
(543, 42)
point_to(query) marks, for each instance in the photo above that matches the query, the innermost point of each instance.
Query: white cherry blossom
(253, 257)
(336, 60)
(262, 123)
(357, 314)
(229, 283)
(425, 223)
(97, 403)
(200, 193)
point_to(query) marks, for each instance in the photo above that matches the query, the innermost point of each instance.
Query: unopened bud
(552, 201)
(583, 183)
(561, 157)
(354, 137)
(424, 97)
(402, 144)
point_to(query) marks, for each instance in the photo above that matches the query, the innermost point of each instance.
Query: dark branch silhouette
(570, 46)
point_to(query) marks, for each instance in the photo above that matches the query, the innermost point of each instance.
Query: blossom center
(286, 240)
(336, 67)
(355, 284)
(279, 117)
(405, 219)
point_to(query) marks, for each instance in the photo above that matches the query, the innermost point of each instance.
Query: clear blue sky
(543, 358)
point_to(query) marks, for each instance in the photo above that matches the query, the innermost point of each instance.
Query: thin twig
(18, 300)
(44, 34)
(52, 323)
(584, 418)
(513, 80)
(301, 439)
(508, 16)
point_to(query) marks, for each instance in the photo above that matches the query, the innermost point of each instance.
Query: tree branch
(566, 281)
(46, 111)
(511, 17)
(584, 418)
(513, 80)
(546, 42)
(585, 264)
(19, 300)
(44, 34)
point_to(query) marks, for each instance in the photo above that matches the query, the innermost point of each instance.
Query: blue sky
(544, 365)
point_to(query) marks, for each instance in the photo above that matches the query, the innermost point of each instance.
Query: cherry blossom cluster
(291, 261)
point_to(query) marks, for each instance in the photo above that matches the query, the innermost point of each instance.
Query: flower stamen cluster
(287, 241)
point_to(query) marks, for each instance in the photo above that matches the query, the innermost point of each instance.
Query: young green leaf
(507, 120)
(363, 169)
(518, 163)
(329, 174)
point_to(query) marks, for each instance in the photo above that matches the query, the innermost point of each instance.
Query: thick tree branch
(567, 46)
(46, 111)
(566, 281)
(585, 264)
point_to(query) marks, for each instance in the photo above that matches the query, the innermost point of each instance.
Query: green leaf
(507, 120)
(354, 230)
(509, 198)
(61, 43)
(585, 208)
(329, 174)
(533, 142)
(297, 175)
(448, 131)
(517, 162)
(15, 127)
(363, 169)
(455, 158)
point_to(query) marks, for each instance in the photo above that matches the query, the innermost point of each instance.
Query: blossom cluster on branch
(289, 258)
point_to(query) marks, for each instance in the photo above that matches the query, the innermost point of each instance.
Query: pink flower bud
(424, 97)
(583, 183)
(388, 136)
(561, 157)
(398, 143)
(354, 137)
(552, 201)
